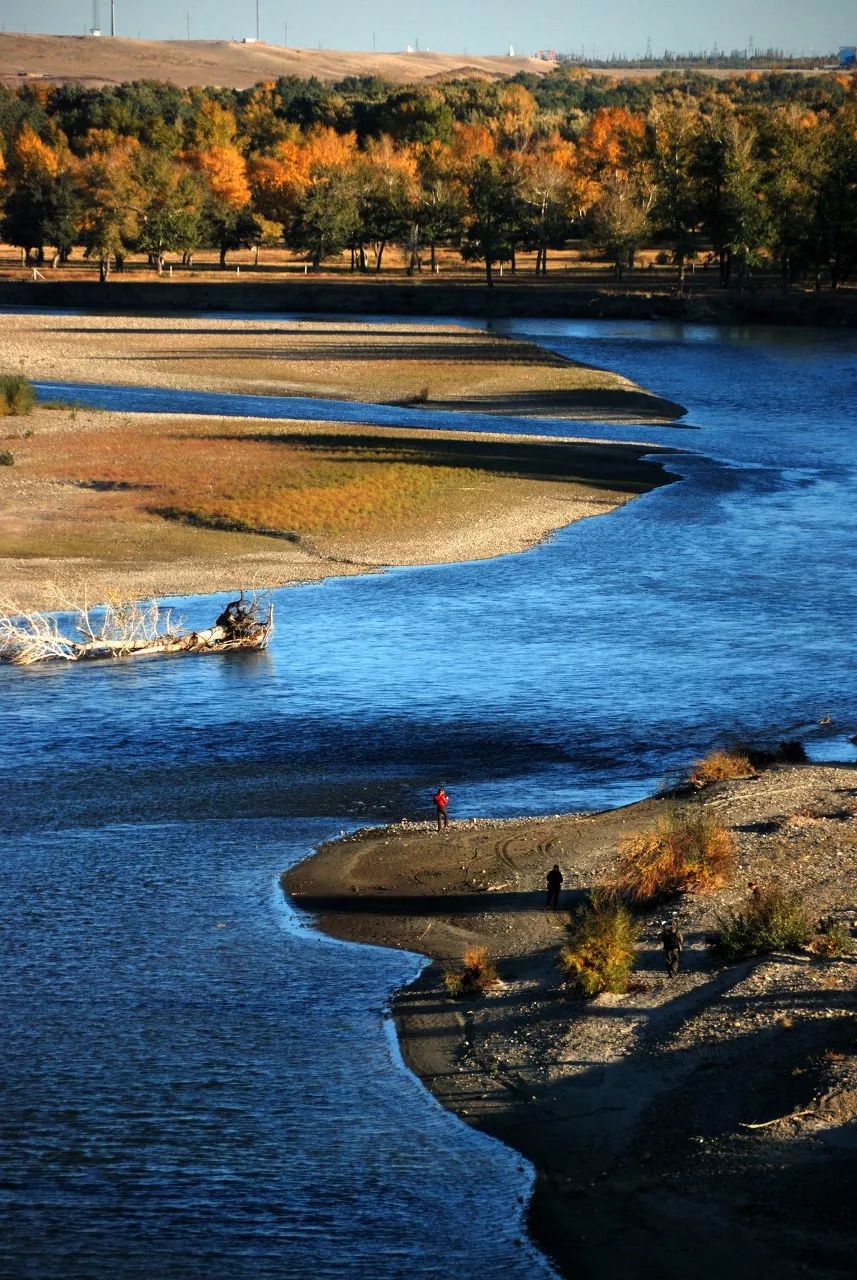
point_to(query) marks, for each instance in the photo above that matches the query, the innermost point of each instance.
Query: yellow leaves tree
(517, 117)
(110, 202)
(211, 126)
(281, 179)
(611, 142)
(32, 158)
(225, 170)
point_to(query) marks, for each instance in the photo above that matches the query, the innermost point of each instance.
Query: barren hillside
(224, 62)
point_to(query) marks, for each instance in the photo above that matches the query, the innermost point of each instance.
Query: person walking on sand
(673, 943)
(441, 804)
(554, 882)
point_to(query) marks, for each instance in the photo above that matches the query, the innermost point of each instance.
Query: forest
(753, 170)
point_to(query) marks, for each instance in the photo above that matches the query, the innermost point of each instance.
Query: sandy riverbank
(134, 505)
(633, 1108)
(440, 366)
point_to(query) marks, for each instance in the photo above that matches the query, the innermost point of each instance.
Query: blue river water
(194, 1082)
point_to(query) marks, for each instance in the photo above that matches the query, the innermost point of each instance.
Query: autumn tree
(550, 189)
(440, 200)
(109, 203)
(618, 222)
(388, 194)
(39, 209)
(227, 217)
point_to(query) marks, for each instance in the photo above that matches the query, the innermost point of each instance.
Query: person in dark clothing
(673, 943)
(554, 882)
(441, 804)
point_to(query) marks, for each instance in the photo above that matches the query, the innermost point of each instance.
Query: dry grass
(720, 766)
(475, 976)
(600, 953)
(686, 851)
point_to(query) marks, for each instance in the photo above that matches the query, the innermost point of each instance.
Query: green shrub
(475, 976)
(835, 941)
(601, 950)
(17, 396)
(687, 850)
(7, 459)
(777, 920)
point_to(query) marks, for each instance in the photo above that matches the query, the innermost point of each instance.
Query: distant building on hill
(546, 55)
(848, 55)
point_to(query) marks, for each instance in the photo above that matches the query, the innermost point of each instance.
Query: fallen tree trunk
(131, 631)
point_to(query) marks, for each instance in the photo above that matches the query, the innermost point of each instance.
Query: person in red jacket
(441, 804)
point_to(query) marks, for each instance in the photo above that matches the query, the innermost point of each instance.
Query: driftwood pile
(130, 631)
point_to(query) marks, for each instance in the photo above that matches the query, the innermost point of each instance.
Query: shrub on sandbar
(474, 977)
(17, 396)
(601, 949)
(720, 766)
(687, 850)
(775, 920)
(835, 941)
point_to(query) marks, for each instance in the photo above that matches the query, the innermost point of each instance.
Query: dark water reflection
(192, 1084)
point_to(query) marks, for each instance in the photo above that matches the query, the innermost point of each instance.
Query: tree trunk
(380, 246)
(489, 273)
(103, 270)
(55, 260)
(513, 265)
(433, 257)
(223, 257)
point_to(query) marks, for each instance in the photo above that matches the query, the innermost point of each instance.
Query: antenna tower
(648, 48)
(96, 16)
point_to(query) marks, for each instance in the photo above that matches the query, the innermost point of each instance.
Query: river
(194, 1082)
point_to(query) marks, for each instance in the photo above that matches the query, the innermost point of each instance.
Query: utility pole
(257, 21)
(113, 17)
(286, 25)
(187, 18)
(373, 41)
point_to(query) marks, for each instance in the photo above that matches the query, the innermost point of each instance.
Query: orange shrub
(687, 850)
(719, 766)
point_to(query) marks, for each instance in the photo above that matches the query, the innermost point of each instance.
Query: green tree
(729, 181)
(675, 211)
(38, 212)
(493, 220)
(325, 219)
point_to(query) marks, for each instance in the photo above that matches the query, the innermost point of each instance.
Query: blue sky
(483, 26)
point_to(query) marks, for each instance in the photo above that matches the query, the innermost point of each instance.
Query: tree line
(754, 171)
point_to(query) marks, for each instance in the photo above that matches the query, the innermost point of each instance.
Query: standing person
(673, 943)
(554, 882)
(441, 804)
